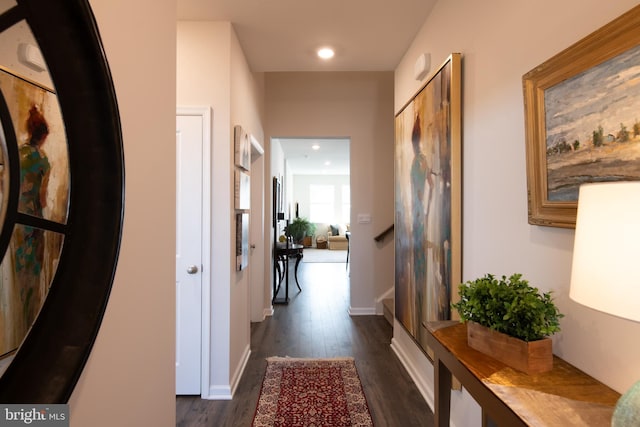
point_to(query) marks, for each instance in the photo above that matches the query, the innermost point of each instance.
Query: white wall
(500, 41)
(10, 40)
(129, 379)
(212, 71)
(247, 102)
(203, 78)
(358, 106)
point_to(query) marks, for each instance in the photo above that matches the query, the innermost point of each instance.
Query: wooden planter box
(533, 357)
(306, 241)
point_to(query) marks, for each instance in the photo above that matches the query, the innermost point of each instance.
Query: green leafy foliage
(299, 228)
(510, 306)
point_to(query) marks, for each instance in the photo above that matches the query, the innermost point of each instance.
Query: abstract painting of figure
(29, 241)
(427, 202)
(28, 267)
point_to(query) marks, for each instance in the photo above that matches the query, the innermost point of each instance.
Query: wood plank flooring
(316, 323)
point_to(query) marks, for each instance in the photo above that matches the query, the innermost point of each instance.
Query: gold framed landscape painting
(428, 202)
(582, 119)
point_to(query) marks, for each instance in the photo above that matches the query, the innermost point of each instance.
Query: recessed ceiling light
(315, 147)
(326, 53)
(327, 163)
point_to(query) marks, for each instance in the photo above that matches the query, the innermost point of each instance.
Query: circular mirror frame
(49, 362)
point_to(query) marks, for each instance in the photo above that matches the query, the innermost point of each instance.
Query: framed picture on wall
(42, 168)
(242, 190)
(428, 202)
(581, 119)
(242, 145)
(242, 240)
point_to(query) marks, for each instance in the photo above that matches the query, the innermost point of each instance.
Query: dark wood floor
(316, 323)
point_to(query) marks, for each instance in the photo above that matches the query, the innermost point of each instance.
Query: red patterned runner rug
(311, 393)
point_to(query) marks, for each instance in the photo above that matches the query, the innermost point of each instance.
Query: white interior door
(189, 144)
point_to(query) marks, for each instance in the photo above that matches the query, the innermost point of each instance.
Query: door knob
(192, 269)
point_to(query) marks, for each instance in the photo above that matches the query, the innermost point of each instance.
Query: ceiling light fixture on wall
(31, 56)
(422, 66)
(326, 53)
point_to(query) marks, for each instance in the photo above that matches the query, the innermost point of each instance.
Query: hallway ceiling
(332, 157)
(283, 35)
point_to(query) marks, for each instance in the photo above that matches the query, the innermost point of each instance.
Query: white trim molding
(416, 363)
(362, 311)
(465, 411)
(235, 380)
(389, 293)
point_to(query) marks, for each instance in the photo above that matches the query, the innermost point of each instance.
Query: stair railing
(380, 237)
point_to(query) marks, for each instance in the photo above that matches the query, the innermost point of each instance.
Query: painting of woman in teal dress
(428, 203)
(29, 265)
(30, 243)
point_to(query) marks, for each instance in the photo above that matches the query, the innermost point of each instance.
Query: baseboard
(389, 293)
(415, 362)
(267, 312)
(219, 392)
(362, 311)
(224, 391)
(235, 379)
(465, 411)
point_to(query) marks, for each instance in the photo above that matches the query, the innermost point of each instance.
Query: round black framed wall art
(50, 359)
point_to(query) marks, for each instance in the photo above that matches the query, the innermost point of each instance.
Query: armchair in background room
(337, 238)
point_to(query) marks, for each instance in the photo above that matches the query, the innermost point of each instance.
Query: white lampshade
(605, 274)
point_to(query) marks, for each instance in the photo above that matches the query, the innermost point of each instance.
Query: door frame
(205, 290)
(257, 308)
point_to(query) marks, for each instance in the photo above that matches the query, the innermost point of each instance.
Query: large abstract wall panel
(428, 201)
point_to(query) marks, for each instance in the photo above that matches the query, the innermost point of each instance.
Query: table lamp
(605, 274)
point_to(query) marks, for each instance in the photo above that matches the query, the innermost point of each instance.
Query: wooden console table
(563, 397)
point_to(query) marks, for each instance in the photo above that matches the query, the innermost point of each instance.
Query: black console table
(285, 251)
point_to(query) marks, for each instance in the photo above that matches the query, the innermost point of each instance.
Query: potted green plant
(299, 228)
(509, 314)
